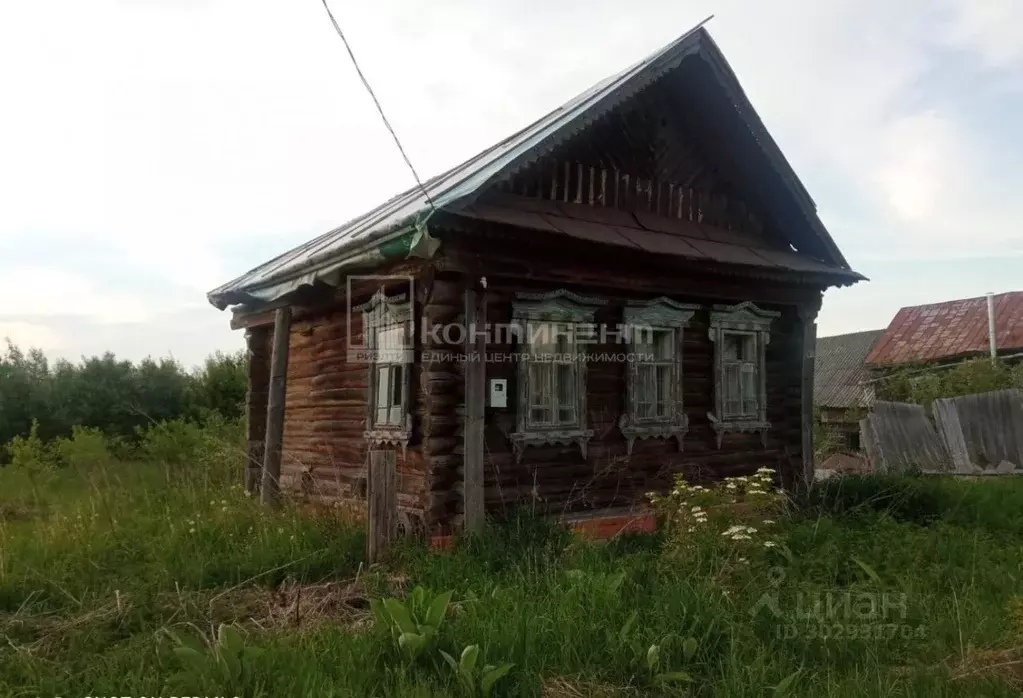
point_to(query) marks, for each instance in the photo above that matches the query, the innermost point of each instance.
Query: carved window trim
(659, 314)
(748, 320)
(378, 313)
(528, 311)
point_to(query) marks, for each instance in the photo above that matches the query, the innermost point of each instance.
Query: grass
(922, 578)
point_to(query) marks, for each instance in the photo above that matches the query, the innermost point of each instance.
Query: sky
(151, 150)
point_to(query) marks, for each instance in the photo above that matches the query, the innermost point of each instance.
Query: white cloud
(163, 148)
(46, 292)
(30, 335)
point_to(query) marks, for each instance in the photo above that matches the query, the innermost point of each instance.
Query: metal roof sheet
(950, 330)
(648, 233)
(322, 257)
(839, 374)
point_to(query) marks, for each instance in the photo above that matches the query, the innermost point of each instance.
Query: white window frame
(382, 313)
(660, 314)
(530, 311)
(747, 320)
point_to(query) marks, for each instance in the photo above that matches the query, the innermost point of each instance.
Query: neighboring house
(842, 387)
(654, 200)
(947, 332)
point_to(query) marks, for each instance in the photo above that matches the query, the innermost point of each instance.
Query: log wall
(324, 453)
(557, 479)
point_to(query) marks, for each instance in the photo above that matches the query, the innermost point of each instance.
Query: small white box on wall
(498, 392)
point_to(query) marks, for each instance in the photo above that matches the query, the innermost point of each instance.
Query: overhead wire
(376, 102)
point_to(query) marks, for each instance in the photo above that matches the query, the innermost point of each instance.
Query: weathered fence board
(971, 434)
(906, 439)
(946, 419)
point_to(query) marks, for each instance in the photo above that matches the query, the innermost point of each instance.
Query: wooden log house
(623, 290)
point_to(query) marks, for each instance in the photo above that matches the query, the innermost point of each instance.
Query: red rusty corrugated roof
(950, 330)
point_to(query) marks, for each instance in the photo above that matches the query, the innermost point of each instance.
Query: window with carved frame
(654, 406)
(387, 328)
(740, 334)
(552, 369)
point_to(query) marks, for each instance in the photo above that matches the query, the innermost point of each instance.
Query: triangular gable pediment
(712, 104)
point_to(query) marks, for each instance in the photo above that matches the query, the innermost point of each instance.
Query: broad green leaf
(435, 614)
(450, 660)
(786, 684)
(399, 614)
(672, 677)
(627, 628)
(491, 676)
(467, 664)
(653, 657)
(868, 570)
(230, 639)
(412, 643)
(689, 646)
(615, 582)
(191, 659)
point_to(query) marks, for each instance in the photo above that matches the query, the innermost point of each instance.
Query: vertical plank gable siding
(556, 479)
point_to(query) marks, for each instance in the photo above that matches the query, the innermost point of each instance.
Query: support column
(271, 486)
(475, 401)
(258, 350)
(808, 352)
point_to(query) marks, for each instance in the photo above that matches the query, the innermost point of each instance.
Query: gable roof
(399, 225)
(839, 374)
(954, 329)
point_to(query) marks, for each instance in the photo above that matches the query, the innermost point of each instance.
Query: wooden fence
(971, 434)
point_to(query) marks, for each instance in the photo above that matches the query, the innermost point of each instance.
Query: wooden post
(808, 351)
(271, 487)
(475, 399)
(255, 406)
(382, 503)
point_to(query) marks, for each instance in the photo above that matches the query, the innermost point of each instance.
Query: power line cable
(380, 109)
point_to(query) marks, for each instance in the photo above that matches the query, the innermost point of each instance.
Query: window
(388, 388)
(654, 379)
(386, 327)
(740, 366)
(552, 369)
(740, 334)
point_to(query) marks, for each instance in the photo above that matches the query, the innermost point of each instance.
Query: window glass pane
(733, 346)
(389, 343)
(395, 417)
(541, 393)
(664, 390)
(540, 337)
(397, 386)
(663, 344)
(567, 396)
(564, 339)
(646, 391)
(749, 389)
(732, 396)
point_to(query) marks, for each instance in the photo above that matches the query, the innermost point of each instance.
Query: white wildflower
(767, 521)
(741, 536)
(697, 509)
(770, 544)
(191, 530)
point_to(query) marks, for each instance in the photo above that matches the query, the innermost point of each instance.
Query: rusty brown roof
(840, 379)
(648, 232)
(949, 330)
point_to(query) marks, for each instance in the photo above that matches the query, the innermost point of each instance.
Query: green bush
(31, 453)
(87, 448)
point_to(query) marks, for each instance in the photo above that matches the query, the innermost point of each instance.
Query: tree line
(113, 395)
